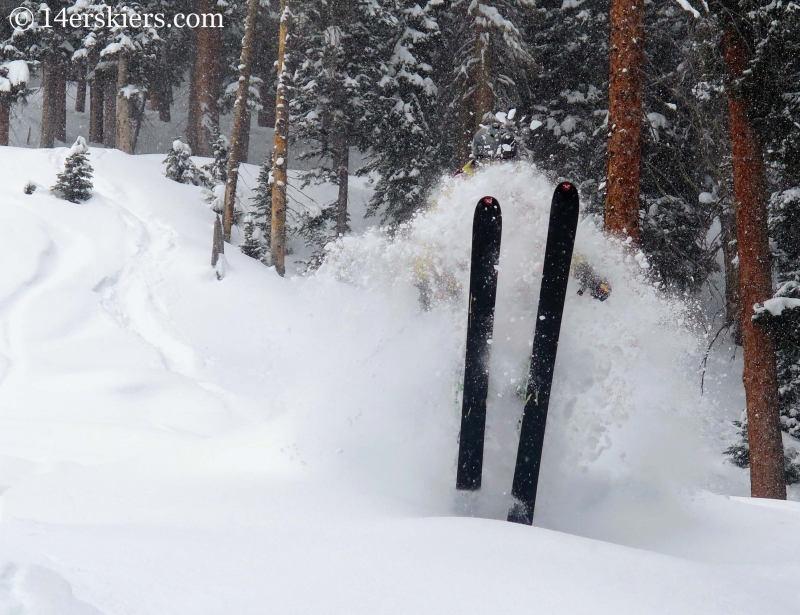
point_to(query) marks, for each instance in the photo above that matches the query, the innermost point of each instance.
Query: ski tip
(489, 201)
(566, 188)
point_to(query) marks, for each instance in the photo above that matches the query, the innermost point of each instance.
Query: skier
(493, 142)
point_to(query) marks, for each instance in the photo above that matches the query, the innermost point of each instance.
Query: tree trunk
(5, 121)
(484, 96)
(266, 116)
(733, 307)
(96, 109)
(80, 88)
(241, 116)
(191, 115)
(110, 107)
(245, 146)
(755, 286)
(280, 153)
(465, 126)
(626, 82)
(208, 81)
(61, 100)
(165, 103)
(49, 113)
(342, 164)
(124, 107)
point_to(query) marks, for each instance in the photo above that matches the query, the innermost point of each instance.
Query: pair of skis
(486, 232)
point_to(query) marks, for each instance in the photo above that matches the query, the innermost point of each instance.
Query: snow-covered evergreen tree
(258, 221)
(405, 137)
(785, 236)
(75, 181)
(217, 170)
(180, 167)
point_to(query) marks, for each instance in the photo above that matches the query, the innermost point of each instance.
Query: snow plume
(626, 394)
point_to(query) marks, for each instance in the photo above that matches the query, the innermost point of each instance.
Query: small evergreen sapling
(217, 170)
(258, 222)
(75, 182)
(180, 167)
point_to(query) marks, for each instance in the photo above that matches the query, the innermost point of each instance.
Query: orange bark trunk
(241, 117)
(626, 82)
(208, 81)
(280, 153)
(755, 286)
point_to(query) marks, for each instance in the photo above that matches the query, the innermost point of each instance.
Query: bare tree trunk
(80, 88)
(241, 116)
(208, 81)
(767, 478)
(110, 107)
(165, 102)
(733, 307)
(218, 244)
(49, 113)
(266, 116)
(342, 164)
(5, 121)
(626, 82)
(191, 115)
(96, 110)
(484, 96)
(465, 131)
(245, 146)
(61, 100)
(280, 153)
(124, 107)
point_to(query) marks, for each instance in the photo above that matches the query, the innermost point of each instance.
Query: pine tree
(217, 170)
(75, 182)
(258, 220)
(784, 232)
(180, 167)
(404, 133)
(755, 278)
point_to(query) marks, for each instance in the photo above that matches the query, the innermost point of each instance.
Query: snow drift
(172, 443)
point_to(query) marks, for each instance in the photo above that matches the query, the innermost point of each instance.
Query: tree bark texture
(124, 107)
(280, 152)
(733, 306)
(48, 135)
(208, 82)
(80, 88)
(241, 117)
(5, 121)
(484, 95)
(342, 165)
(61, 99)
(96, 96)
(110, 106)
(191, 115)
(626, 83)
(755, 286)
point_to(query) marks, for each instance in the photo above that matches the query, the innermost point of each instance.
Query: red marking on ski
(566, 186)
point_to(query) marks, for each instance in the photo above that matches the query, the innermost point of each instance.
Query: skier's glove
(598, 287)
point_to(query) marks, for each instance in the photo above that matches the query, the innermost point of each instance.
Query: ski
(555, 275)
(487, 227)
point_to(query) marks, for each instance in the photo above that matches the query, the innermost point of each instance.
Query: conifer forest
(471, 261)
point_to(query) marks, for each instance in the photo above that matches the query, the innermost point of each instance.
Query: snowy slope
(174, 444)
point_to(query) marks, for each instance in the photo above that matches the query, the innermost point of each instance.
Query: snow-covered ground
(170, 443)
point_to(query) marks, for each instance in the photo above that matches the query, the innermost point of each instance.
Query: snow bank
(174, 443)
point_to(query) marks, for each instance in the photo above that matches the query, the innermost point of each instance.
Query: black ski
(487, 226)
(557, 258)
